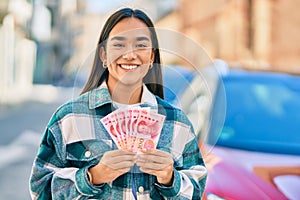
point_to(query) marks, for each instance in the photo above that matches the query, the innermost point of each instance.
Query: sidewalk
(38, 93)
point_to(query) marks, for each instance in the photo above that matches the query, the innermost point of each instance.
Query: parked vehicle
(256, 153)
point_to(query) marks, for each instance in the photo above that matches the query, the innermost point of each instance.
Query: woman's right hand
(112, 165)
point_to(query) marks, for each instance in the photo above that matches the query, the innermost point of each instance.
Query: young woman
(78, 159)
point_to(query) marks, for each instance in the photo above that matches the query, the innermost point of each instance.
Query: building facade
(263, 34)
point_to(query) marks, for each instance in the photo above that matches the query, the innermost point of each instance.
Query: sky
(155, 8)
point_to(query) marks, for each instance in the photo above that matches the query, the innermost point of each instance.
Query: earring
(104, 66)
(151, 65)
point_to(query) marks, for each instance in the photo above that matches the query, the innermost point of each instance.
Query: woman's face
(128, 52)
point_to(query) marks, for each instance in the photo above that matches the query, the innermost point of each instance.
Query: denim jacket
(75, 140)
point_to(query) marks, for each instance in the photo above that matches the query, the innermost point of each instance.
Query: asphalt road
(21, 129)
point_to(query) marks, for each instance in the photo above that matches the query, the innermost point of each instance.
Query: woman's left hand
(158, 163)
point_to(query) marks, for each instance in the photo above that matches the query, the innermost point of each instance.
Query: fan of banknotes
(134, 128)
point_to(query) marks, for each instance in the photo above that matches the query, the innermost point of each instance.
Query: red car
(252, 132)
(257, 152)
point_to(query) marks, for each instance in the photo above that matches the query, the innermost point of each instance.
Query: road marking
(21, 148)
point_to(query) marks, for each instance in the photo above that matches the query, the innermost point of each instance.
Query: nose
(130, 55)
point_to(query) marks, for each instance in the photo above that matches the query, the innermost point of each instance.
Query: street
(21, 128)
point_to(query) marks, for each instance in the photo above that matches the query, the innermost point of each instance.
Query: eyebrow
(118, 38)
(141, 38)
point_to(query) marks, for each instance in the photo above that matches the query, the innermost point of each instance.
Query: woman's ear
(102, 55)
(153, 55)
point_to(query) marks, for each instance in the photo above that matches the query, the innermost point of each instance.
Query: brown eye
(141, 45)
(118, 45)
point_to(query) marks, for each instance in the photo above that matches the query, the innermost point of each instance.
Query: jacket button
(141, 189)
(87, 154)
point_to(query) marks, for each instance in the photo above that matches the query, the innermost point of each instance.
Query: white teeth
(129, 66)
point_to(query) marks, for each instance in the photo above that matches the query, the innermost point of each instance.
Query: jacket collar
(101, 96)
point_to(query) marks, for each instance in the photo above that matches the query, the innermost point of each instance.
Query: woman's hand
(112, 165)
(158, 163)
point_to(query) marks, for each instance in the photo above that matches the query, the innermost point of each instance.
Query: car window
(176, 79)
(263, 113)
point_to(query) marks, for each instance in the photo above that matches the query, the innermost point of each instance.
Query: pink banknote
(134, 128)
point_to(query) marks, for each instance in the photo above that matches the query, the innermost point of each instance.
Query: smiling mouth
(129, 67)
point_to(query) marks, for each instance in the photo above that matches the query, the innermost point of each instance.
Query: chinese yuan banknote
(134, 128)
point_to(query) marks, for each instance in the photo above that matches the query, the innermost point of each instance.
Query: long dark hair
(98, 74)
